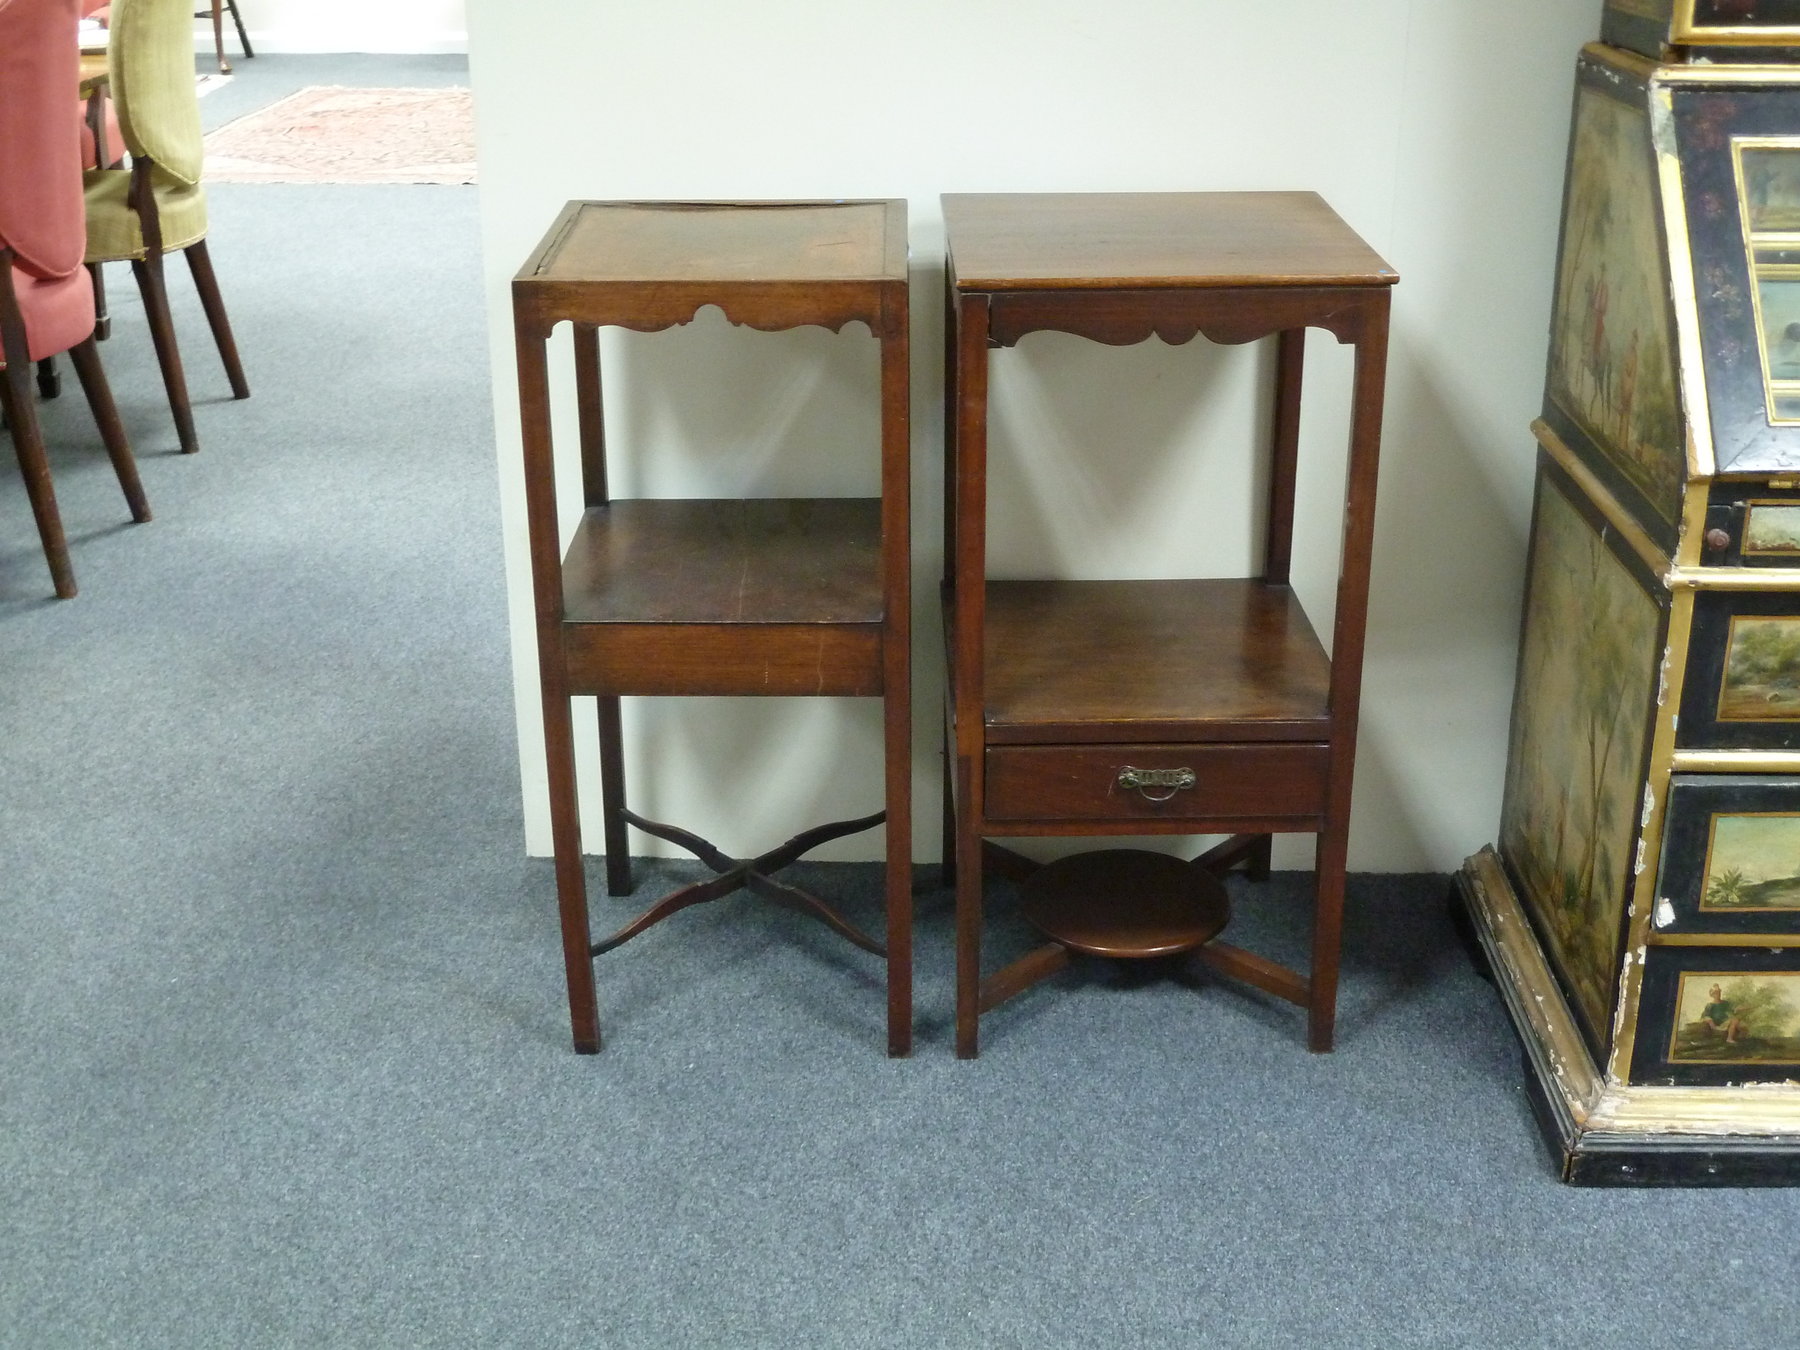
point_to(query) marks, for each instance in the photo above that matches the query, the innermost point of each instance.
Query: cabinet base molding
(1602, 1132)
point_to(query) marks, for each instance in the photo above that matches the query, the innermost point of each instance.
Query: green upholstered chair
(158, 206)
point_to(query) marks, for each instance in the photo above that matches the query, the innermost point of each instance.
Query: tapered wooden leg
(218, 18)
(1258, 861)
(86, 357)
(34, 466)
(149, 274)
(49, 379)
(207, 284)
(612, 799)
(1328, 927)
(571, 881)
(102, 319)
(897, 717)
(237, 20)
(968, 923)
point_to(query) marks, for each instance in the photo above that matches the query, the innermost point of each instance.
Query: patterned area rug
(333, 135)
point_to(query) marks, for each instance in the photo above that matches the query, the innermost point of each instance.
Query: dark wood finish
(206, 284)
(148, 272)
(791, 660)
(729, 562)
(153, 286)
(85, 357)
(1055, 686)
(1231, 782)
(1008, 865)
(1250, 849)
(1257, 970)
(1151, 661)
(1230, 316)
(1016, 977)
(776, 597)
(1060, 241)
(18, 408)
(778, 265)
(1284, 455)
(1125, 903)
(751, 874)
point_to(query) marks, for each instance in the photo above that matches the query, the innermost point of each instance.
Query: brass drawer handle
(1169, 781)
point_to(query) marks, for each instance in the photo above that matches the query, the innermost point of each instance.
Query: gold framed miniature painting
(1730, 861)
(1718, 1016)
(1752, 23)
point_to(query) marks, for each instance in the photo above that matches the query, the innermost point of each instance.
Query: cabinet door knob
(1156, 785)
(1717, 540)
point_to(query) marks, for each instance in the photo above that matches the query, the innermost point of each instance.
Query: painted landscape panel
(1752, 862)
(1612, 355)
(1725, 1017)
(1587, 667)
(1771, 178)
(1762, 670)
(1772, 528)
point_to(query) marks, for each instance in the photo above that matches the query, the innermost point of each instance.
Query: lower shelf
(1124, 902)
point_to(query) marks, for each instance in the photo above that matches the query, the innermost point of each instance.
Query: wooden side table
(1154, 707)
(775, 597)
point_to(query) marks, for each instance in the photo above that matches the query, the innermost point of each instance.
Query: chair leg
(88, 369)
(149, 274)
(102, 319)
(238, 20)
(49, 379)
(200, 264)
(218, 18)
(34, 466)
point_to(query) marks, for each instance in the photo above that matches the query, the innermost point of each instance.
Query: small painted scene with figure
(1762, 670)
(1612, 363)
(1753, 862)
(1723, 1017)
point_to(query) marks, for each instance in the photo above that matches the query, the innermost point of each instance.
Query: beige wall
(1436, 130)
(347, 25)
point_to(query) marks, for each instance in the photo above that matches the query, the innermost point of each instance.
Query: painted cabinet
(1640, 910)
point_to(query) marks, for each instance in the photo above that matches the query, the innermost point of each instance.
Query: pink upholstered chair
(46, 296)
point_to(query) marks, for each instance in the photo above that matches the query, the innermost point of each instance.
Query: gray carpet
(286, 1054)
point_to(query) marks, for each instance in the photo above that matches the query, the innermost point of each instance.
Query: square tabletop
(722, 243)
(1121, 240)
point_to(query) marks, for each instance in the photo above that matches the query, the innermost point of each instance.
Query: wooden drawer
(1258, 782)
(1730, 857)
(1718, 1016)
(1743, 672)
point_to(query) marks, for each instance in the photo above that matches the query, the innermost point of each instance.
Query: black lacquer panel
(1708, 122)
(1715, 1016)
(1730, 855)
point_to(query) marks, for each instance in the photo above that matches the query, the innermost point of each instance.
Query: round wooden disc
(1125, 902)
